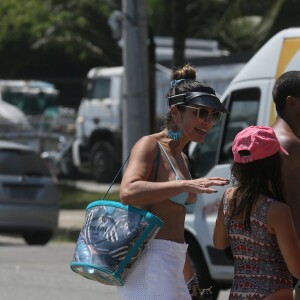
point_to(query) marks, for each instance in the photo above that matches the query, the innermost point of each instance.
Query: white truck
(97, 148)
(29, 113)
(249, 101)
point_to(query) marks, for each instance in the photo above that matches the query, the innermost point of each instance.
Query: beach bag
(113, 236)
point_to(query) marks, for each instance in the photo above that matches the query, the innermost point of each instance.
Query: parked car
(28, 194)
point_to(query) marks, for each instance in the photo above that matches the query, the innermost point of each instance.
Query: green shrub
(73, 198)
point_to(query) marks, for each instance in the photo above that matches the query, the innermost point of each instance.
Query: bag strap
(103, 198)
(157, 161)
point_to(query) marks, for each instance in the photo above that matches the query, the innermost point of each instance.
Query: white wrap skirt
(157, 274)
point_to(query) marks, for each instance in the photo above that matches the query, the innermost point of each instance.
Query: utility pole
(179, 25)
(136, 119)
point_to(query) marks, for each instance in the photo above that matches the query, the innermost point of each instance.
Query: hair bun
(186, 72)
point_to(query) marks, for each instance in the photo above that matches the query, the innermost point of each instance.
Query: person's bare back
(291, 167)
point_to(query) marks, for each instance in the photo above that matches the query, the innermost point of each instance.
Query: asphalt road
(34, 273)
(42, 272)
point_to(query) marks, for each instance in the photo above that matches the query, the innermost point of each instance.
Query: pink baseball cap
(260, 141)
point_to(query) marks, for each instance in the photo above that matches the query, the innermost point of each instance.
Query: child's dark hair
(252, 179)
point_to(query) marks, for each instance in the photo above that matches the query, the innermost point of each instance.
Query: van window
(98, 88)
(243, 110)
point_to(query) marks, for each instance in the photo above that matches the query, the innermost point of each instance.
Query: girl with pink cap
(254, 220)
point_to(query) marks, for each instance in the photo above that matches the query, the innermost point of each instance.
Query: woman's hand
(204, 185)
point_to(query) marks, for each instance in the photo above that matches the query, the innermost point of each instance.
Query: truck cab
(249, 101)
(97, 148)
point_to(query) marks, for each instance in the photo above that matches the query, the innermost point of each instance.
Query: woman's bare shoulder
(146, 144)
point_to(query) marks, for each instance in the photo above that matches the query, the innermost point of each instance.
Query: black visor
(198, 98)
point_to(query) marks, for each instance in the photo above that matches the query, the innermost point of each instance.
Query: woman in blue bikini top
(182, 197)
(157, 178)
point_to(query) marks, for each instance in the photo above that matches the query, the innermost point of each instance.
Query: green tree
(58, 38)
(244, 28)
(54, 37)
(237, 25)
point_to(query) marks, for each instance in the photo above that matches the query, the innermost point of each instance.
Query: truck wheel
(102, 162)
(200, 266)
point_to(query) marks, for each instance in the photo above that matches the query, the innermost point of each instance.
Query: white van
(249, 100)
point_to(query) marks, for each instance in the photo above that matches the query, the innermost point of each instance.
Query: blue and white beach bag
(111, 239)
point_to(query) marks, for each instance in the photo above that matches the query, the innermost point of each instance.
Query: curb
(70, 223)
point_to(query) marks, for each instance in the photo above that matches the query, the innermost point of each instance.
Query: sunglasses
(204, 114)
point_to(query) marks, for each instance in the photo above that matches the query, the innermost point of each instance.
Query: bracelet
(192, 281)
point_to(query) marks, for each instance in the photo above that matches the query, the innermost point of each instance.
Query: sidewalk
(70, 223)
(71, 219)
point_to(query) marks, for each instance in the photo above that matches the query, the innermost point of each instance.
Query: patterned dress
(259, 268)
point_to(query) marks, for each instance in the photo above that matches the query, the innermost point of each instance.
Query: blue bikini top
(182, 197)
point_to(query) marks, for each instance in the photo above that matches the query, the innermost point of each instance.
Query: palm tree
(239, 32)
(82, 29)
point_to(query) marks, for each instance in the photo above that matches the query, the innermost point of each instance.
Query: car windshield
(29, 102)
(22, 163)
